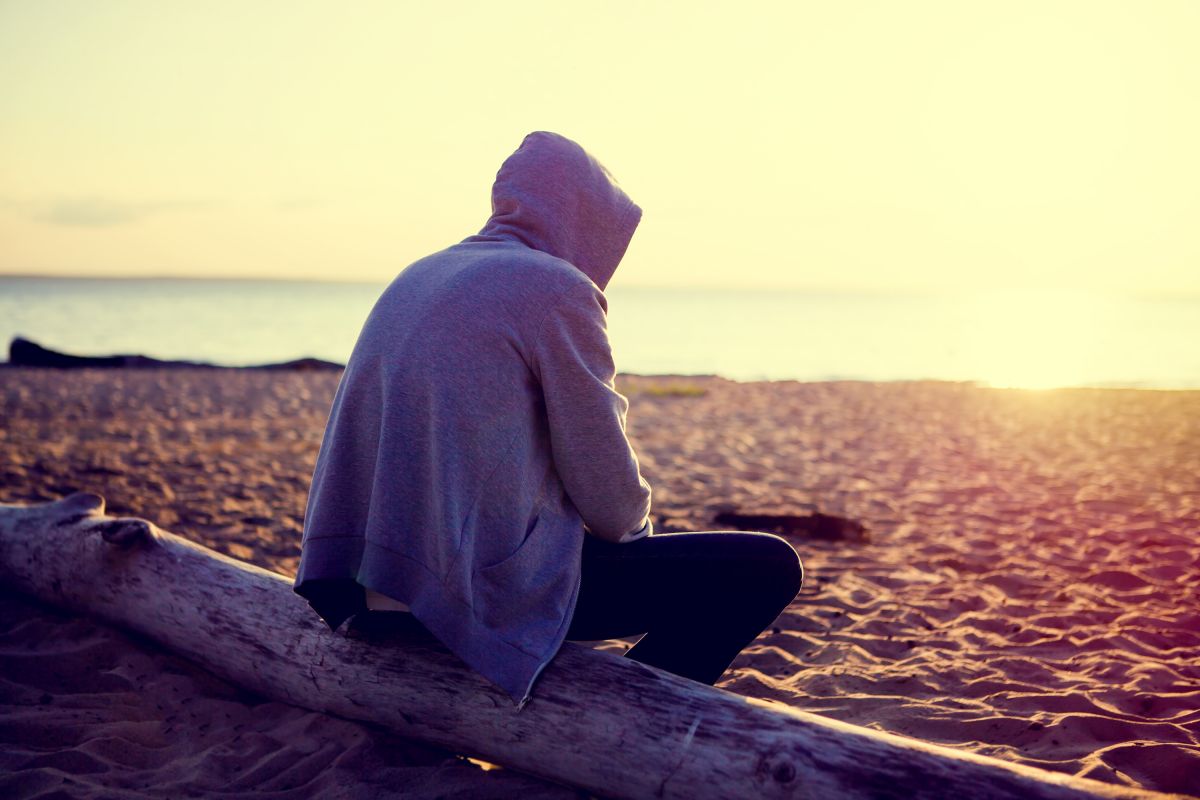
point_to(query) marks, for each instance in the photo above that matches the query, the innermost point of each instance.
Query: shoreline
(25, 353)
(1028, 592)
(308, 363)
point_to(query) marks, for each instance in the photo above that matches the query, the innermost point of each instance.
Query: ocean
(1026, 339)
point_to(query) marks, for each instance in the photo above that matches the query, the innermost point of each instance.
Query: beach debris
(597, 721)
(816, 525)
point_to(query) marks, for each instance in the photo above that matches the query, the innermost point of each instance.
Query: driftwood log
(596, 721)
(814, 526)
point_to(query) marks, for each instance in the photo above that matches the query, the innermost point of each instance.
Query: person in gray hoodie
(475, 471)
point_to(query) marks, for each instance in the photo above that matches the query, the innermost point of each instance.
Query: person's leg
(397, 624)
(699, 597)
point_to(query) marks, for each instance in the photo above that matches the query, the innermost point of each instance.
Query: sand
(1029, 591)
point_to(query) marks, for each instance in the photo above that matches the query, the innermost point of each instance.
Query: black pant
(699, 598)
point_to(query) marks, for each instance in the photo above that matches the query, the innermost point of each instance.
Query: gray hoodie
(476, 434)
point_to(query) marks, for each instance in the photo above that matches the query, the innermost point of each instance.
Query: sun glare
(1036, 339)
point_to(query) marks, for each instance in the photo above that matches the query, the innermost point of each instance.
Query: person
(475, 476)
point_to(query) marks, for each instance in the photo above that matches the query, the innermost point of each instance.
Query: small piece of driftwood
(816, 526)
(596, 721)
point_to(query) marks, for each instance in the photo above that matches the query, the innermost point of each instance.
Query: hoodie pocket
(527, 592)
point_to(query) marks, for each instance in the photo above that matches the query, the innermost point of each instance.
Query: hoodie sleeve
(573, 360)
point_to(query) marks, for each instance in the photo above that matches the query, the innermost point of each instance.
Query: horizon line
(1159, 294)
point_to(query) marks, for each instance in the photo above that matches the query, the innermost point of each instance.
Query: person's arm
(573, 360)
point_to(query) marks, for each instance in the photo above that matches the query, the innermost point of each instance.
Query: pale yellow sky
(866, 145)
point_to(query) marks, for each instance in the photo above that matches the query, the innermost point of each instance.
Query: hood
(553, 196)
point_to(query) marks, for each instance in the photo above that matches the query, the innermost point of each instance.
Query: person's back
(479, 392)
(477, 438)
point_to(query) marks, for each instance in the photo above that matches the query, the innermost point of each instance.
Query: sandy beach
(1029, 589)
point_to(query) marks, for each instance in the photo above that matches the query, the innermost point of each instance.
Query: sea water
(1034, 339)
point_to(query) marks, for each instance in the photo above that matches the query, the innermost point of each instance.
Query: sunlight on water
(1039, 339)
(1029, 339)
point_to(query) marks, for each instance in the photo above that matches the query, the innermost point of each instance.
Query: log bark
(596, 721)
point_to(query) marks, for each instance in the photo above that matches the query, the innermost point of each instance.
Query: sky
(864, 146)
